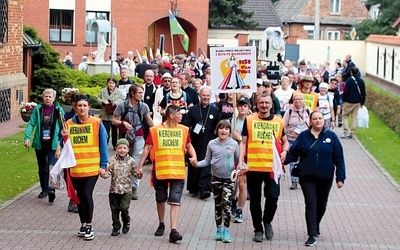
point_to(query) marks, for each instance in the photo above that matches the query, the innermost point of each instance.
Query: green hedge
(385, 105)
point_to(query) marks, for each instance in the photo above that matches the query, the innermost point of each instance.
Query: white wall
(376, 63)
(227, 37)
(323, 50)
(62, 5)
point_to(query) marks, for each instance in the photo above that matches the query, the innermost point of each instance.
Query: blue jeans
(45, 159)
(114, 132)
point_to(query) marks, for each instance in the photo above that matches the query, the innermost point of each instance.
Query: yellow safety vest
(259, 142)
(310, 100)
(85, 143)
(168, 151)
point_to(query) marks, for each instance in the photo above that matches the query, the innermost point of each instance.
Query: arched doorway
(161, 26)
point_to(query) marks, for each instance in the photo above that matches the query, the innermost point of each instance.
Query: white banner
(234, 69)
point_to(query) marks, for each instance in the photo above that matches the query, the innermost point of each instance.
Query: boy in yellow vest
(167, 144)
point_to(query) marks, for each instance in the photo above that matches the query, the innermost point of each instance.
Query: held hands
(103, 173)
(243, 169)
(138, 174)
(193, 161)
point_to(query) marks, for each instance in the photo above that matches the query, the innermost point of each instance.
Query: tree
(389, 12)
(229, 12)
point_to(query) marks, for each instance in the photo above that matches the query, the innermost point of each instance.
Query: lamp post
(174, 8)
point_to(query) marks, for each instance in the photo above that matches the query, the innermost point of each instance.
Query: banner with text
(233, 69)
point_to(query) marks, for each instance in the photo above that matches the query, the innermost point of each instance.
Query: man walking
(353, 98)
(258, 133)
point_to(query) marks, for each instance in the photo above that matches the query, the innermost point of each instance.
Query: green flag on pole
(176, 29)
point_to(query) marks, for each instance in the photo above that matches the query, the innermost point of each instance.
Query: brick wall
(138, 25)
(11, 53)
(11, 57)
(350, 10)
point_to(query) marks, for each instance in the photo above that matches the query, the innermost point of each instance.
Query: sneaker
(174, 236)
(134, 194)
(294, 185)
(344, 135)
(125, 227)
(76, 208)
(318, 234)
(115, 232)
(89, 234)
(52, 196)
(258, 236)
(269, 232)
(42, 195)
(160, 230)
(234, 206)
(239, 216)
(204, 194)
(71, 206)
(82, 231)
(311, 241)
(227, 236)
(351, 136)
(218, 234)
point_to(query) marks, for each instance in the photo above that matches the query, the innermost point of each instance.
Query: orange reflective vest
(259, 142)
(168, 151)
(310, 100)
(85, 143)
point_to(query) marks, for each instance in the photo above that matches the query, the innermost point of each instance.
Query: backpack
(130, 135)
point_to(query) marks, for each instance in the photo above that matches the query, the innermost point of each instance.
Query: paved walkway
(362, 215)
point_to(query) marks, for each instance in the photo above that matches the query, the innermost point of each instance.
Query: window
(257, 44)
(335, 6)
(310, 34)
(333, 35)
(91, 16)
(61, 25)
(3, 21)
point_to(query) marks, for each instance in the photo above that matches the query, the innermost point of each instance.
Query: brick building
(336, 18)
(13, 82)
(66, 24)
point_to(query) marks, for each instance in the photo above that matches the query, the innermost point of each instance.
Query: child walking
(121, 168)
(222, 154)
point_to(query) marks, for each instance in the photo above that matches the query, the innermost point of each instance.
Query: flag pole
(173, 50)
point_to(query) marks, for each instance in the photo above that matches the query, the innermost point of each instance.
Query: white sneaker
(89, 234)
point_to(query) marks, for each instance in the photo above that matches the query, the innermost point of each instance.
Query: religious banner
(233, 69)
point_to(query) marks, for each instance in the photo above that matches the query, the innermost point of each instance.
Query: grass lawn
(383, 144)
(18, 167)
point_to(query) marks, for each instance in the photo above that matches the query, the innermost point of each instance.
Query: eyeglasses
(166, 80)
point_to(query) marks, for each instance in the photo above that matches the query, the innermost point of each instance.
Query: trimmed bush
(385, 105)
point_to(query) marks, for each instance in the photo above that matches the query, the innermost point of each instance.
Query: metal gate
(5, 105)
